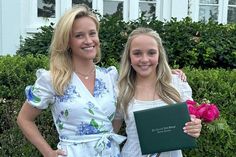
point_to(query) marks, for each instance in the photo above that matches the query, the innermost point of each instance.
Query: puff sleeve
(112, 71)
(41, 94)
(114, 76)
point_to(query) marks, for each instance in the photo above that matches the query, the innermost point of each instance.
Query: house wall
(10, 26)
(179, 10)
(0, 28)
(18, 19)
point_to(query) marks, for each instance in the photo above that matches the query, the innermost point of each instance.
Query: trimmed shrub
(217, 85)
(15, 73)
(38, 43)
(188, 43)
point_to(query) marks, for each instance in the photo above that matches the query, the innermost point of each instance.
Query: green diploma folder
(160, 129)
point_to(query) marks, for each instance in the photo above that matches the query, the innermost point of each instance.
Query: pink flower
(202, 108)
(208, 116)
(215, 110)
(191, 102)
(192, 108)
(205, 111)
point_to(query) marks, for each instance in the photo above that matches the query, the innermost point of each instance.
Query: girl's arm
(117, 123)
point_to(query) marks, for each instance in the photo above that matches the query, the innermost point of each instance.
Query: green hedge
(188, 43)
(217, 85)
(15, 73)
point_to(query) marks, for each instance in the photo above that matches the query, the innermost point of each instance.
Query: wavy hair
(60, 60)
(127, 79)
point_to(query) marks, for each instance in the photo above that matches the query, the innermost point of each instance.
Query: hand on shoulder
(180, 73)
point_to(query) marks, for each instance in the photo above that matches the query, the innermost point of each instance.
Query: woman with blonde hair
(80, 94)
(146, 81)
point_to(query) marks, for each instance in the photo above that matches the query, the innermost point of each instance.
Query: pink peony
(202, 108)
(205, 111)
(208, 116)
(191, 102)
(193, 110)
(215, 110)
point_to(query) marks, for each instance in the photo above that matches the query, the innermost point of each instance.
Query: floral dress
(83, 121)
(132, 147)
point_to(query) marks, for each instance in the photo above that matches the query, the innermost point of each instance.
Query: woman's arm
(25, 120)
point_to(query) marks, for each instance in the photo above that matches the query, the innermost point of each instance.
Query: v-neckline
(86, 89)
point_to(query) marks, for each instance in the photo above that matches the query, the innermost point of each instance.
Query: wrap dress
(83, 121)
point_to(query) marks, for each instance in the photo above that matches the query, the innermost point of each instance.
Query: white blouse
(132, 147)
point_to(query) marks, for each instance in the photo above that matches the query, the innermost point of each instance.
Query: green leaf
(60, 126)
(111, 116)
(91, 111)
(66, 113)
(94, 123)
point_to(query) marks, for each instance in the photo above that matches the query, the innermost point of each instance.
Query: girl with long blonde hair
(145, 82)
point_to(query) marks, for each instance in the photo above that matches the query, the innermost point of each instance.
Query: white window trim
(222, 10)
(130, 11)
(166, 5)
(159, 10)
(149, 2)
(164, 11)
(225, 12)
(99, 6)
(133, 9)
(134, 6)
(34, 22)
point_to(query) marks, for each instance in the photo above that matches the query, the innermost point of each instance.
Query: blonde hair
(60, 61)
(126, 83)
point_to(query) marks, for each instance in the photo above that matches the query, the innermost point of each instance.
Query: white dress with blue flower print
(83, 120)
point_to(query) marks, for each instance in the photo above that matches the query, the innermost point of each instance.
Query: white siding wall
(179, 9)
(166, 10)
(10, 26)
(1, 27)
(18, 18)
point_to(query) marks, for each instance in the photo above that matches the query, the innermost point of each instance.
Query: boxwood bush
(15, 73)
(218, 85)
(196, 46)
(188, 43)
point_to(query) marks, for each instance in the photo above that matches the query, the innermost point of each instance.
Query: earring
(69, 49)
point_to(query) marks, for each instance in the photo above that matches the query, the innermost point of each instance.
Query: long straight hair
(126, 83)
(61, 60)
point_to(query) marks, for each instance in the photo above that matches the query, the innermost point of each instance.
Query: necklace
(86, 76)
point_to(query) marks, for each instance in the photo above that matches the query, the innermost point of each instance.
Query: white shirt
(132, 147)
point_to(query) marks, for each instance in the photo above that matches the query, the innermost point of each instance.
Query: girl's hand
(180, 73)
(193, 128)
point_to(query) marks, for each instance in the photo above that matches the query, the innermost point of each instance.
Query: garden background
(205, 51)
